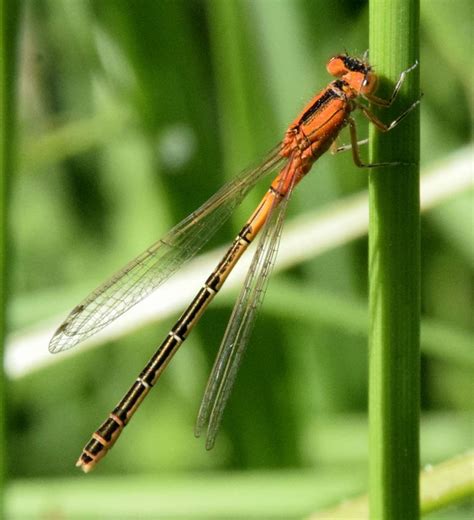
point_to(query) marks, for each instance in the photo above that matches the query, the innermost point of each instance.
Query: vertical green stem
(394, 271)
(8, 25)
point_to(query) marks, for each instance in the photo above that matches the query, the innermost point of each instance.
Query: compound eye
(369, 85)
(336, 67)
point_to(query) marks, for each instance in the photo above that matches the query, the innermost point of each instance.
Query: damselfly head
(343, 63)
(355, 72)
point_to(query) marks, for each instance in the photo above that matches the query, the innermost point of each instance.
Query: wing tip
(56, 344)
(61, 340)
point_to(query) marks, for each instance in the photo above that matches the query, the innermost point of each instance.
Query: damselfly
(312, 133)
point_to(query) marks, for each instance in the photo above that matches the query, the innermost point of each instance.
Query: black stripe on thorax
(323, 100)
(334, 90)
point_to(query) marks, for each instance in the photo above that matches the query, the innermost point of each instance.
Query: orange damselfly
(311, 134)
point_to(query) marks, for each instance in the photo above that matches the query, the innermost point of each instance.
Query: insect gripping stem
(314, 131)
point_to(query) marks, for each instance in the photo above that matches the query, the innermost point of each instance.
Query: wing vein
(241, 323)
(156, 264)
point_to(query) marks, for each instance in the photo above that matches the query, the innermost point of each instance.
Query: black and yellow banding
(104, 438)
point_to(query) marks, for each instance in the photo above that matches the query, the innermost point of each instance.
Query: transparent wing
(150, 269)
(240, 324)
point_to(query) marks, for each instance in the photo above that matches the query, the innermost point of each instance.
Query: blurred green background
(131, 114)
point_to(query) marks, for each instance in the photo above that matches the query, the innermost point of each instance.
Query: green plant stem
(394, 272)
(298, 303)
(443, 485)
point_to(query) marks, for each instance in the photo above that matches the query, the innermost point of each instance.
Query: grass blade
(8, 24)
